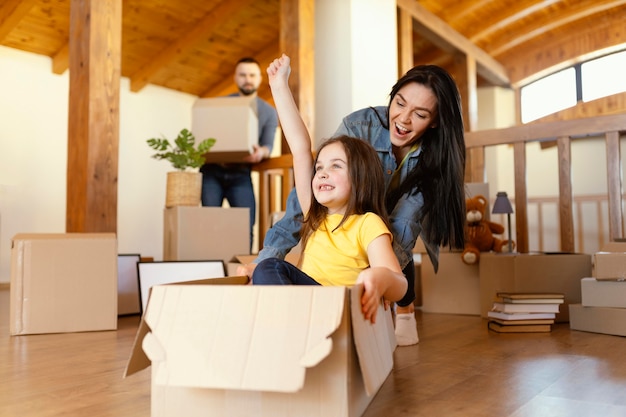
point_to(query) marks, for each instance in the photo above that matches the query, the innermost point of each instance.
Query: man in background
(232, 181)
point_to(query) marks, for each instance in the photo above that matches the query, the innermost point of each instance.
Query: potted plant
(184, 186)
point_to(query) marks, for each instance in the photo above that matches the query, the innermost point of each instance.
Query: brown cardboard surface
(605, 320)
(597, 293)
(609, 266)
(454, 289)
(535, 272)
(263, 351)
(205, 233)
(618, 245)
(232, 121)
(63, 282)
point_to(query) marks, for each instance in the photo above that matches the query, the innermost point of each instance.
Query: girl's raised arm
(294, 129)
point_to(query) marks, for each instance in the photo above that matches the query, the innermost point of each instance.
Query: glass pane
(604, 76)
(548, 95)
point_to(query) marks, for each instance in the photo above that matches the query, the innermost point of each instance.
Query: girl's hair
(439, 174)
(367, 185)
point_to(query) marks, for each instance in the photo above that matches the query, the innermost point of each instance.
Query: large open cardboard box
(232, 121)
(533, 272)
(205, 233)
(63, 282)
(242, 350)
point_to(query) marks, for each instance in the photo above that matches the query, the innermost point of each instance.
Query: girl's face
(412, 111)
(331, 182)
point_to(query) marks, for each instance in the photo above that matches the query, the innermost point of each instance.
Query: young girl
(345, 234)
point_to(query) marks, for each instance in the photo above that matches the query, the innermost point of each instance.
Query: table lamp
(503, 206)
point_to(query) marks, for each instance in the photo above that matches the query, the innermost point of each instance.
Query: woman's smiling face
(412, 111)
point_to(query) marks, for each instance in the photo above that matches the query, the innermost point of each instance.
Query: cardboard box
(603, 293)
(454, 289)
(606, 320)
(232, 121)
(63, 283)
(533, 272)
(618, 245)
(205, 233)
(240, 350)
(609, 266)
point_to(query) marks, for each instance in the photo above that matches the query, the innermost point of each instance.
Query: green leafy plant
(183, 153)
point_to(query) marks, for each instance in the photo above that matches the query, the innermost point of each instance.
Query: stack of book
(524, 312)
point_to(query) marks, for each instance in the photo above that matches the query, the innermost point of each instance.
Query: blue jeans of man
(275, 271)
(231, 182)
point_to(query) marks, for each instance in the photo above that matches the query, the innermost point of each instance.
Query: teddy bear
(479, 232)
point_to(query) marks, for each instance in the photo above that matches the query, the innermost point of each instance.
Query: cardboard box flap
(375, 343)
(138, 359)
(276, 334)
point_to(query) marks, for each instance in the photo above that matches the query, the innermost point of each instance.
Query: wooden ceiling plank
(11, 13)
(205, 26)
(488, 67)
(553, 23)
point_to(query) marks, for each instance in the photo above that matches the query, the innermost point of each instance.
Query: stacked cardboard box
(603, 305)
(63, 282)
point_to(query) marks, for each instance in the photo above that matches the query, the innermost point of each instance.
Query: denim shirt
(405, 216)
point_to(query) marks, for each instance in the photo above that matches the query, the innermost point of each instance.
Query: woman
(419, 139)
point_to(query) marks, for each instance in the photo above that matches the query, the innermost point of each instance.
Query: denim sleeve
(405, 226)
(285, 233)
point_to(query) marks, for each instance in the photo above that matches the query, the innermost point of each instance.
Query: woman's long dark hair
(439, 174)
(366, 180)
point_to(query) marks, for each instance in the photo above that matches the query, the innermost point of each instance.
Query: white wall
(33, 139)
(361, 66)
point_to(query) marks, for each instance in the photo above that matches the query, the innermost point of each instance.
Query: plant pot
(183, 189)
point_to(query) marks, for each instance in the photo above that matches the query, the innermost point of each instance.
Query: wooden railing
(607, 128)
(276, 174)
(275, 183)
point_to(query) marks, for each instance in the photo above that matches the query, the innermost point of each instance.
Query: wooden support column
(93, 128)
(405, 41)
(466, 79)
(297, 35)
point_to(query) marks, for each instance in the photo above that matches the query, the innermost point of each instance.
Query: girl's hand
(279, 70)
(372, 296)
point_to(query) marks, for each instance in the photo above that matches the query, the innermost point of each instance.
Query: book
(526, 308)
(522, 322)
(520, 316)
(525, 328)
(530, 298)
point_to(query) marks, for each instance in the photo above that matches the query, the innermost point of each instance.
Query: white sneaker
(406, 329)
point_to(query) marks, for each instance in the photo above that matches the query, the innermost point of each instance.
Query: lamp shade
(502, 204)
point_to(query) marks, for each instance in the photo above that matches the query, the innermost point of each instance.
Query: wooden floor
(457, 369)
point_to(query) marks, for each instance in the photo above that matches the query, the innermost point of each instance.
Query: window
(548, 95)
(604, 76)
(588, 81)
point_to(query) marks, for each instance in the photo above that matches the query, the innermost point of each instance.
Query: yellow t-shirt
(336, 258)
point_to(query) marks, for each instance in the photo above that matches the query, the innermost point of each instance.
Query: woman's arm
(294, 129)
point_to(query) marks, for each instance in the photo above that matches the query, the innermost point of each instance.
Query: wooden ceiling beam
(11, 12)
(205, 26)
(440, 33)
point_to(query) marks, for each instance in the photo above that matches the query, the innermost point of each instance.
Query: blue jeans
(274, 271)
(230, 182)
